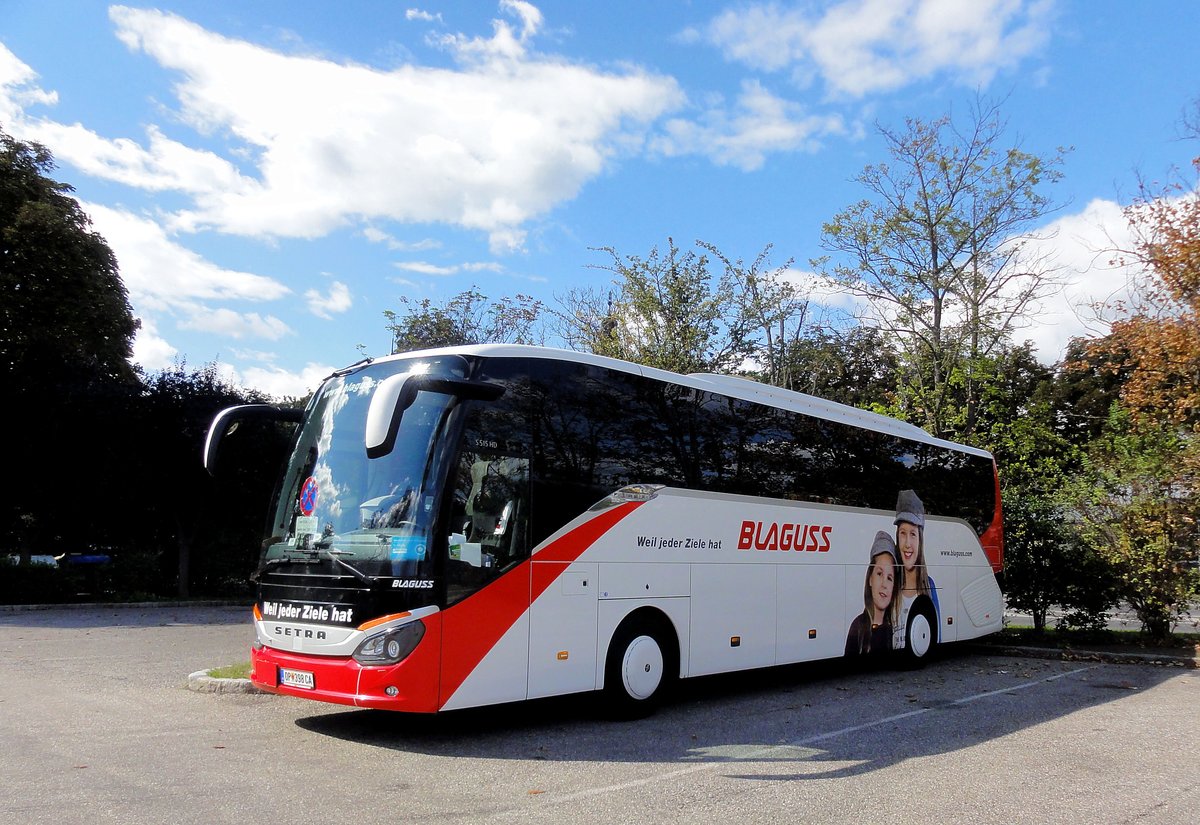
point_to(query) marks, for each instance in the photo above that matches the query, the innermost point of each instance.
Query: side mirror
(391, 398)
(395, 394)
(227, 420)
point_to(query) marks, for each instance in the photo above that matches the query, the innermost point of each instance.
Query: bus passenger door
(485, 638)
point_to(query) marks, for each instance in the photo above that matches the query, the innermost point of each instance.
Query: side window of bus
(489, 520)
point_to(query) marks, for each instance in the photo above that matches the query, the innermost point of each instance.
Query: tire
(920, 634)
(641, 667)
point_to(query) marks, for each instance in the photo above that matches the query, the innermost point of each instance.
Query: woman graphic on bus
(871, 631)
(916, 584)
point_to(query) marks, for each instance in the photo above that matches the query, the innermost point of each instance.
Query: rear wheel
(920, 634)
(641, 665)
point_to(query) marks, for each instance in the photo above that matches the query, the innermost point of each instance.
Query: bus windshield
(366, 518)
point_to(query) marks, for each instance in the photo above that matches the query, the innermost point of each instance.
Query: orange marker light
(383, 620)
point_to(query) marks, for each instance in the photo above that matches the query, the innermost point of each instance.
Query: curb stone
(1181, 660)
(201, 682)
(33, 608)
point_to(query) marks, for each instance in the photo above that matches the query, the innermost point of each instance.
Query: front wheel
(640, 667)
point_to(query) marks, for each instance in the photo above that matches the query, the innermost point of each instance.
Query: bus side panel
(811, 612)
(562, 632)
(502, 675)
(644, 580)
(969, 599)
(733, 617)
(982, 603)
(949, 608)
(485, 654)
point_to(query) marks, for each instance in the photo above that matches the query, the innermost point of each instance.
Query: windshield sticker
(408, 548)
(308, 496)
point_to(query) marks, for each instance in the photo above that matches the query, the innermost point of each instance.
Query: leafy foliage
(1047, 564)
(665, 311)
(66, 332)
(939, 251)
(1155, 339)
(64, 303)
(467, 318)
(853, 366)
(672, 311)
(203, 534)
(1143, 508)
(1139, 504)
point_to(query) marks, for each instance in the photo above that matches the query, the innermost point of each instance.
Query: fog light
(392, 690)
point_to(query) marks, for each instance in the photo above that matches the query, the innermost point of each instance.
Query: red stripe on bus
(472, 627)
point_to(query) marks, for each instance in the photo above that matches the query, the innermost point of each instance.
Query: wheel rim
(920, 635)
(642, 667)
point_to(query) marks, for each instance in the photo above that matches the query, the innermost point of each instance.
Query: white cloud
(164, 165)
(160, 274)
(861, 47)
(422, 15)
(279, 382)
(488, 146)
(1081, 245)
(151, 350)
(227, 322)
(762, 123)
(375, 235)
(18, 90)
(164, 277)
(426, 268)
(326, 306)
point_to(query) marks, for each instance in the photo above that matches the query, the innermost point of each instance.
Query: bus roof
(745, 389)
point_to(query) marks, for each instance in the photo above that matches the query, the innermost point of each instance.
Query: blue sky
(273, 175)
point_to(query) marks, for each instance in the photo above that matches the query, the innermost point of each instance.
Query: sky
(273, 176)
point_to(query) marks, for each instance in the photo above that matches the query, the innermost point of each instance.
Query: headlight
(390, 647)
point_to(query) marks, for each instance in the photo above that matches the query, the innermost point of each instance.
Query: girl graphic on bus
(915, 580)
(871, 632)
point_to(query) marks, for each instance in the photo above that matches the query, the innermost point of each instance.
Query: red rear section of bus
(993, 538)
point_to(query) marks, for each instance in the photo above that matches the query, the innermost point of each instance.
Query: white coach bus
(475, 525)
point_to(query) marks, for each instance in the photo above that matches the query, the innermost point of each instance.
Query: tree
(664, 311)
(1155, 336)
(199, 532)
(770, 313)
(1047, 564)
(66, 334)
(853, 366)
(940, 251)
(673, 312)
(1144, 508)
(1140, 506)
(1085, 387)
(1046, 561)
(467, 318)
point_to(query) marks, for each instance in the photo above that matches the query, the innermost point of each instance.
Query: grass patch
(239, 671)
(1133, 641)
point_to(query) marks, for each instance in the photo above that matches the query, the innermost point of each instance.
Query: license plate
(296, 678)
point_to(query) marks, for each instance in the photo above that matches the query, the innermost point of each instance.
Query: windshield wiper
(262, 568)
(334, 556)
(308, 556)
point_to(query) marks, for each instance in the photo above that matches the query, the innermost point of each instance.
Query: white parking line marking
(764, 753)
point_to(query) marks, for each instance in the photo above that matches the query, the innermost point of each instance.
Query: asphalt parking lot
(97, 727)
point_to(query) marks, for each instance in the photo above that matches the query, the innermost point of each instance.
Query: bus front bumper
(411, 685)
